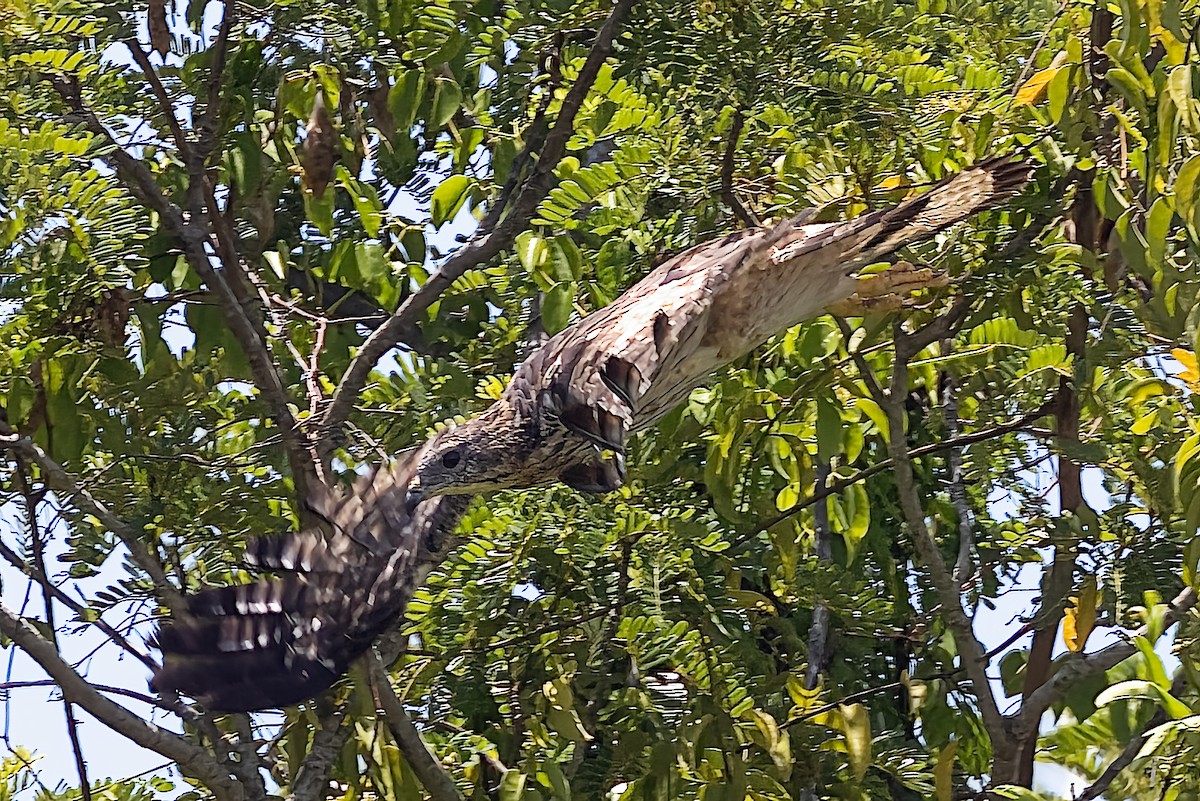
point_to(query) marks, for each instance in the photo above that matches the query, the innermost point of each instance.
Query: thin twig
(39, 562)
(923, 450)
(165, 104)
(11, 556)
(58, 479)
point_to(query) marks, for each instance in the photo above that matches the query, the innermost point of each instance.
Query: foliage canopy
(209, 211)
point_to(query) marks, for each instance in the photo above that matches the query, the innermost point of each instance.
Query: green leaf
(366, 202)
(404, 100)
(871, 409)
(513, 786)
(568, 261)
(1136, 689)
(1187, 204)
(448, 198)
(1179, 86)
(829, 428)
(319, 211)
(447, 99)
(557, 305)
(856, 728)
(857, 521)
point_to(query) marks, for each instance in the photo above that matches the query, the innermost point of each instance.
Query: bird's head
(484, 454)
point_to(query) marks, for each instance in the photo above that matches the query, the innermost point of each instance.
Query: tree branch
(207, 123)
(924, 450)
(192, 759)
(1080, 666)
(39, 559)
(971, 650)
(496, 233)
(14, 559)
(818, 633)
(194, 240)
(433, 777)
(166, 106)
(311, 782)
(958, 491)
(59, 480)
(1126, 757)
(748, 218)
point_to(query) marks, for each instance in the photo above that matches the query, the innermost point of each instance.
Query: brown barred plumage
(572, 404)
(282, 639)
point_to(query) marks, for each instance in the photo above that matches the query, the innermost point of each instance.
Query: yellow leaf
(1187, 360)
(893, 182)
(1035, 88)
(856, 728)
(943, 773)
(1080, 617)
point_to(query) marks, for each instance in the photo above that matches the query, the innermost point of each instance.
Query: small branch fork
(504, 220)
(204, 233)
(1009, 733)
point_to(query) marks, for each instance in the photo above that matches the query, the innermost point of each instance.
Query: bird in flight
(566, 414)
(572, 404)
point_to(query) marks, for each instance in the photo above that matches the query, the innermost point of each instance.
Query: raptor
(571, 405)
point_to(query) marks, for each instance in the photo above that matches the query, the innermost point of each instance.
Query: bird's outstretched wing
(593, 376)
(624, 366)
(283, 639)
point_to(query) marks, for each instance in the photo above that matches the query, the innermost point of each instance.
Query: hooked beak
(412, 499)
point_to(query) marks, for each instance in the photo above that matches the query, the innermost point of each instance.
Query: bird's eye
(450, 459)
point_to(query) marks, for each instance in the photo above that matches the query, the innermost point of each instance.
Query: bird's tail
(951, 201)
(280, 640)
(871, 237)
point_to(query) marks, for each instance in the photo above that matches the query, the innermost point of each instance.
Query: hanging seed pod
(320, 148)
(156, 23)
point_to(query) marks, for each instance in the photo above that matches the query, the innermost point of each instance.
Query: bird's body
(571, 405)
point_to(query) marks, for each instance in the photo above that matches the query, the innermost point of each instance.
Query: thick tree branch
(192, 759)
(971, 651)
(433, 777)
(194, 239)
(496, 232)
